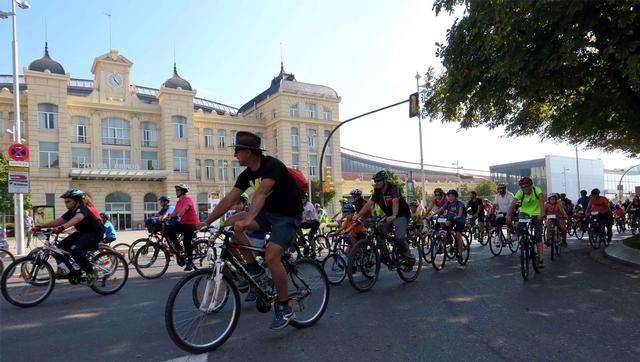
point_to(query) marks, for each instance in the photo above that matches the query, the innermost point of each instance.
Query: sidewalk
(623, 254)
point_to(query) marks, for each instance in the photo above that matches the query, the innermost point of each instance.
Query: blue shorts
(284, 229)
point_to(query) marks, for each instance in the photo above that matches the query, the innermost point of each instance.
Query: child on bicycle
(109, 231)
(456, 217)
(553, 207)
(417, 217)
(354, 229)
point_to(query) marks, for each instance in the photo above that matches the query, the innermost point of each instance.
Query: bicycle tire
(135, 246)
(466, 251)
(200, 250)
(322, 244)
(304, 291)
(552, 243)
(533, 254)
(484, 239)
(415, 247)
(427, 242)
(524, 259)
(436, 245)
(513, 245)
(496, 244)
(170, 318)
(578, 231)
(469, 232)
(117, 260)
(336, 265)
(594, 238)
(158, 253)
(450, 248)
(123, 249)
(6, 258)
(364, 255)
(11, 269)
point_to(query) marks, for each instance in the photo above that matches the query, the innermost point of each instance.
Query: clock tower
(111, 77)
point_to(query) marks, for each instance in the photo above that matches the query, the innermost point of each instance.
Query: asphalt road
(581, 307)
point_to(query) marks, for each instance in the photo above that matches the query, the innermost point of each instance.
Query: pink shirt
(190, 217)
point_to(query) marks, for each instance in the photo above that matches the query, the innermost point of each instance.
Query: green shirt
(530, 203)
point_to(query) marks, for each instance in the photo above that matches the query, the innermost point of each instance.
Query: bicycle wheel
(466, 251)
(6, 258)
(135, 246)
(524, 259)
(513, 245)
(309, 292)
(111, 270)
(200, 249)
(122, 249)
(469, 232)
(18, 286)
(206, 325)
(533, 254)
(151, 261)
(496, 243)
(578, 231)
(558, 244)
(322, 245)
(438, 253)
(618, 227)
(450, 249)
(427, 242)
(335, 266)
(410, 273)
(363, 266)
(594, 238)
(482, 239)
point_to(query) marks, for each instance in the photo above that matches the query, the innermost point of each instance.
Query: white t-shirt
(503, 202)
(309, 213)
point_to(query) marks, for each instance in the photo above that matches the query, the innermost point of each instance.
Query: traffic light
(326, 179)
(414, 105)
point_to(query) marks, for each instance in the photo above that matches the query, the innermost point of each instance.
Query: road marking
(191, 358)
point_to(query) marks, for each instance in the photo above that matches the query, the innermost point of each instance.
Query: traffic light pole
(326, 142)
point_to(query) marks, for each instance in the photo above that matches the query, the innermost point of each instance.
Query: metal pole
(578, 170)
(621, 177)
(18, 201)
(422, 187)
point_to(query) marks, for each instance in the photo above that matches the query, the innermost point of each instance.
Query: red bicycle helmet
(525, 180)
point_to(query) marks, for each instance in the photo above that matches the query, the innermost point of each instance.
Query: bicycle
(497, 240)
(578, 226)
(633, 220)
(335, 263)
(444, 246)
(553, 236)
(206, 303)
(32, 276)
(621, 225)
(380, 248)
(472, 231)
(527, 246)
(597, 235)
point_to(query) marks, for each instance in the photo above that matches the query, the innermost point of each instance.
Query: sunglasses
(438, 194)
(378, 180)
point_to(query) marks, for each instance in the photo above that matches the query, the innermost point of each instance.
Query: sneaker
(91, 278)
(283, 314)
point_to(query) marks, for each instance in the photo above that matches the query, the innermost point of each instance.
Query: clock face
(114, 80)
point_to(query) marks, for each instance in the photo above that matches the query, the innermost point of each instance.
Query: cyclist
(276, 206)
(355, 229)
(310, 221)
(359, 202)
(89, 231)
(555, 207)
(619, 213)
(322, 215)
(417, 216)
(456, 217)
(601, 205)
(532, 204)
(438, 201)
(391, 202)
(477, 211)
(166, 208)
(634, 210)
(567, 203)
(110, 234)
(501, 204)
(186, 226)
(583, 201)
(488, 207)
(338, 215)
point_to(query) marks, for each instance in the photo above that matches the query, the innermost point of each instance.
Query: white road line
(191, 358)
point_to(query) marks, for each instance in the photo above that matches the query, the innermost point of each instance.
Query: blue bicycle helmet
(348, 208)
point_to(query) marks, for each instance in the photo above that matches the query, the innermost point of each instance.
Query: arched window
(47, 116)
(118, 206)
(115, 131)
(150, 205)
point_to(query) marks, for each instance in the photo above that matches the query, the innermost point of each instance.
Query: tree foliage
(485, 188)
(567, 70)
(315, 193)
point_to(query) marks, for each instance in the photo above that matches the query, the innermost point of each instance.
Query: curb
(623, 254)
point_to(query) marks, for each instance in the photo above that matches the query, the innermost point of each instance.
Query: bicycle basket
(153, 225)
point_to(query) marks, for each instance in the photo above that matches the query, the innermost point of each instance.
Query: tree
(395, 179)
(315, 193)
(567, 70)
(485, 188)
(463, 190)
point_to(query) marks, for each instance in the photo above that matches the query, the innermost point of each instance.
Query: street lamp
(424, 195)
(18, 201)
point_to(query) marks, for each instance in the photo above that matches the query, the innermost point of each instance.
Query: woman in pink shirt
(553, 207)
(187, 224)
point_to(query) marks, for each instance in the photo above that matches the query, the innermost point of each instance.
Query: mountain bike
(527, 246)
(633, 220)
(378, 248)
(203, 308)
(578, 226)
(498, 240)
(473, 232)
(30, 280)
(444, 246)
(553, 236)
(335, 263)
(597, 234)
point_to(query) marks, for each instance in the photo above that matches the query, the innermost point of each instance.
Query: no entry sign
(18, 152)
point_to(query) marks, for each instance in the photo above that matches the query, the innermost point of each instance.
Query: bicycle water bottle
(63, 267)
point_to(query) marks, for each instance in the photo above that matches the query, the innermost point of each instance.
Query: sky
(368, 51)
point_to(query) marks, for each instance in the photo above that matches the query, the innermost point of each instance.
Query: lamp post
(620, 187)
(564, 174)
(18, 202)
(423, 201)
(458, 167)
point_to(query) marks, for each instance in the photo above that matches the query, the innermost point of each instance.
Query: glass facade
(511, 173)
(630, 181)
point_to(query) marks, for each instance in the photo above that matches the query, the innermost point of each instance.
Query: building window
(48, 155)
(233, 137)
(313, 166)
(293, 110)
(80, 157)
(115, 131)
(326, 114)
(150, 205)
(208, 138)
(198, 169)
(310, 110)
(116, 159)
(80, 130)
(328, 161)
(208, 169)
(118, 206)
(12, 124)
(50, 199)
(295, 161)
(222, 170)
(47, 116)
(149, 160)
(180, 161)
(326, 136)
(221, 134)
(179, 126)
(196, 137)
(294, 139)
(149, 134)
(273, 114)
(236, 169)
(312, 136)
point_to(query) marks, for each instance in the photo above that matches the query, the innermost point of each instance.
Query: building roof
(286, 82)
(176, 81)
(46, 63)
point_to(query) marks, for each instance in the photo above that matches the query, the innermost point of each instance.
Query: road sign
(18, 152)
(18, 182)
(19, 163)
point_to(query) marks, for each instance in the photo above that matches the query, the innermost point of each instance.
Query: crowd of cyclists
(278, 206)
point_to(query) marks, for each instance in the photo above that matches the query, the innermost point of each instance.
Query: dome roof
(46, 63)
(176, 82)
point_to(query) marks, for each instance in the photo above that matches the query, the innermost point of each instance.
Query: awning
(123, 175)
